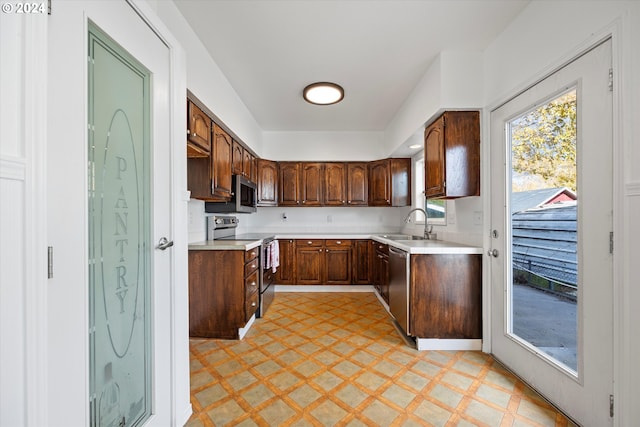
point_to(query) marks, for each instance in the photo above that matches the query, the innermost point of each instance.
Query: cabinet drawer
(309, 242)
(251, 254)
(338, 242)
(250, 267)
(251, 283)
(251, 305)
(382, 247)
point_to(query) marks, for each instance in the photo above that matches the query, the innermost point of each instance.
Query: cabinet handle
(297, 202)
(253, 304)
(304, 201)
(380, 256)
(253, 283)
(327, 250)
(349, 202)
(195, 134)
(320, 250)
(309, 242)
(339, 242)
(290, 241)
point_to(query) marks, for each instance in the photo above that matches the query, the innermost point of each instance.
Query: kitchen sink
(401, 237)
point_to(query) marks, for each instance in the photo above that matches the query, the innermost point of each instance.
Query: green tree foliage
(543, 144)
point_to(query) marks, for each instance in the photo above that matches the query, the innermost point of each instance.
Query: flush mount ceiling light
(323, 93)
(414, 146)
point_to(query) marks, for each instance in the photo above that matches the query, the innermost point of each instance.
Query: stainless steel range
(224, 228)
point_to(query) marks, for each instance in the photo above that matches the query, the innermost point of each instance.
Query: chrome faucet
(428, 235)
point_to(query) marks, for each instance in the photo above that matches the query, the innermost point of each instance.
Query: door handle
(493, 252)
(163, 244)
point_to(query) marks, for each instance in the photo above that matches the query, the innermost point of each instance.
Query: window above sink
(436, 208)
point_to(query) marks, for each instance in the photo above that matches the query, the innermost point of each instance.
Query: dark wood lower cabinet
(323, 262)
(446, 296)
(337, 262)
(223, 292)
(309, 262)
(361, 262)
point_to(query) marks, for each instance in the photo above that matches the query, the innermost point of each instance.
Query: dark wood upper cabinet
(452, 155)
(249, 166)
(312, 184)
(237, 158)
(267, 172)
(289, 184)
(335, 184)
(379, 183)
(357, 184)
(221, 159)
(198, 132)
(390, 182)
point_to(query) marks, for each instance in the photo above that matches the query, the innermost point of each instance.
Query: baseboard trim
(323, 288)
(448, 344)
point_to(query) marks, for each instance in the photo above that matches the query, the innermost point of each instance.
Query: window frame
(419, 200)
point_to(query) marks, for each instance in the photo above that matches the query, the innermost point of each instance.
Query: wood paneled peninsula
(444, 281)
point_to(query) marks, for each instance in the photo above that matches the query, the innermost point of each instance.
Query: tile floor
(335, 359)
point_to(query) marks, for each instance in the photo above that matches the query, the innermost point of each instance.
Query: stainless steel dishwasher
(399, 287)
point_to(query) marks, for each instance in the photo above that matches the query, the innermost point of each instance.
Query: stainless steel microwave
(243, 199)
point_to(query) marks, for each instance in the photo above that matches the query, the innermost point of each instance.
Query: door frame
(620, 357)
(39, 387)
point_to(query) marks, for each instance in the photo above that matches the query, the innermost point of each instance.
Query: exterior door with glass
(551, 218)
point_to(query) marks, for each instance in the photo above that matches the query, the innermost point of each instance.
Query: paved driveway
(546, 321)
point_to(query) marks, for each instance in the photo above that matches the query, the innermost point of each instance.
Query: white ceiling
(269, 50)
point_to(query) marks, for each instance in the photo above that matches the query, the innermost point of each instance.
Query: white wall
(324, 146)
(521, 55)
(206, 81)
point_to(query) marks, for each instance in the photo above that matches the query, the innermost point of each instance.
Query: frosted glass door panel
(119, 236)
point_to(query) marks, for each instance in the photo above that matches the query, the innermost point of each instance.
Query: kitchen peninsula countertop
(410, 246)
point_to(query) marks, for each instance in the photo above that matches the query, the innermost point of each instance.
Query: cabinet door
(446, 296)
(312, 184)
(379, 183)
(335, 176)
(198, 132)
(434, 160)
(285, 274)
(309, 263)
(361, 257)
(289, 184)
(237, 157)
(248, 164)
(400, 170)
(267, 183)
(357, 184)
(221, 163)
(337, 263)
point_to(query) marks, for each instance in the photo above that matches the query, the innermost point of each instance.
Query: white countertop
(224, 245)
(410, 246)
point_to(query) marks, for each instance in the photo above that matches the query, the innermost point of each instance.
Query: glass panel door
(544, 227)
(119, 235)
(550, 263)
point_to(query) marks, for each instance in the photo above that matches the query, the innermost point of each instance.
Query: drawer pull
(309, 242)
(253, 304)
(339, 242)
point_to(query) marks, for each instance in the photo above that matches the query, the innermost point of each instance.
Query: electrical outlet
(477, 217)
(451, 218)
